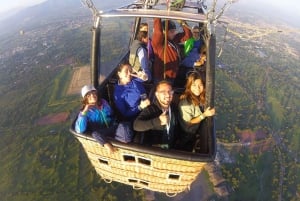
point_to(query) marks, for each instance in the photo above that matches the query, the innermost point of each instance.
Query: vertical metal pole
(210, 71)
(136, 30)
(95, 53)
(210, 94)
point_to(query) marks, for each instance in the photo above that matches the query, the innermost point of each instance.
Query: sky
(286, 6)
(6, 5)
(10, 4)
(289, 6)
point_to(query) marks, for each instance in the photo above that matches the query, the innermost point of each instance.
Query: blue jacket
(193, 55)
(128, 97)
(98, 120)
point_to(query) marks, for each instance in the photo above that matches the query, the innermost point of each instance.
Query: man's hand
(164, 118)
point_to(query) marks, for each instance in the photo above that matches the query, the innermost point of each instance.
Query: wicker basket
(141, 170)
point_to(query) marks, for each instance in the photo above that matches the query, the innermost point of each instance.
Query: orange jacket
(172, 51)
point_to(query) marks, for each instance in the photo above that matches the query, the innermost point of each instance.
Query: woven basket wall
(140, 170)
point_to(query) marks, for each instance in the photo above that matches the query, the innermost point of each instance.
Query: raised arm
(185, 35)
(158, 36)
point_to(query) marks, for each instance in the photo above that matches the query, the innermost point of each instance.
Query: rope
(168, 5)
(225, 6)
(224, 40)
(166, 38)
(211, 14)
(165, 46)
(105, 121)
(103, 116)
(108, 181)
(90, 5)
(171, 194)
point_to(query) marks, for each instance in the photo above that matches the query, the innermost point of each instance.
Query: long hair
(188, 94)
(85, 101)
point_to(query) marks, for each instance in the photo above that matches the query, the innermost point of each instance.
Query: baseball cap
(86, 89)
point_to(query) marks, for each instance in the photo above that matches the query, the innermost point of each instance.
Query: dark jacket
(149, 123)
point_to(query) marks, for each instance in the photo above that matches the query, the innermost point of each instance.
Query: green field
(45, 162)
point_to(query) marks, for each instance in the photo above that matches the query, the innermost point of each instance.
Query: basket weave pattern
(142, 170)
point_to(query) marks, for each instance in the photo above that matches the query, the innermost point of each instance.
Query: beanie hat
(195, 27)
(171, 25)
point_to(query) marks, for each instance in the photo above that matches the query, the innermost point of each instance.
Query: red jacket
(172, 51)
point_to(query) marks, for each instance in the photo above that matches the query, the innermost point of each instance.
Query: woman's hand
(87, 107)
(110, 147)
(209, 112)
(200, 61)
(142, 75)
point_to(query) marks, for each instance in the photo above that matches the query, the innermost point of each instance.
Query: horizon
(287, 12)
(7, 6)
(288, 7)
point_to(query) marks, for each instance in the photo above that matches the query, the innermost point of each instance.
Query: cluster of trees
(260, 93)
